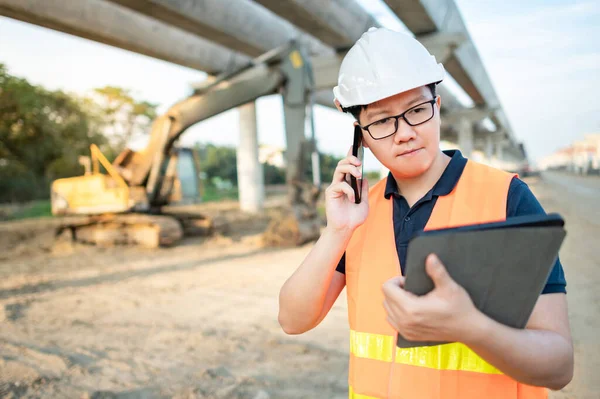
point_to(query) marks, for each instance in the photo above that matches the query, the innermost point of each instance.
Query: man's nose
(404, 133)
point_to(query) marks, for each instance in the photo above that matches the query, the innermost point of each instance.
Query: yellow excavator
(124, 205)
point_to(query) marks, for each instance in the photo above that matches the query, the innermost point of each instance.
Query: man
(387, 81)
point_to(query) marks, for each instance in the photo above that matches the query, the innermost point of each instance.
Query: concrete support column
(499, 150)
(465, 136)
(249, 170)
(295, 116)
(316, 168)
(489, 147)
(314, 156)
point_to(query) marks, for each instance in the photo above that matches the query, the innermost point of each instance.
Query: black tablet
(503, 266)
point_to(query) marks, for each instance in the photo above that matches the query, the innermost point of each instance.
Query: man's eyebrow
(386, 111)
(377, 112)
(416, 100)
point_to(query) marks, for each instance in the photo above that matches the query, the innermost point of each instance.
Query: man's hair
(355, 109)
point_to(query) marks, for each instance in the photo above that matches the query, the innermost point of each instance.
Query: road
(200, 320)
(578, 200)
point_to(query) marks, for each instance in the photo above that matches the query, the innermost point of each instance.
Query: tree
(42, 133)
(327, 163)
(218, 161)
(273, 174)
(123, 116)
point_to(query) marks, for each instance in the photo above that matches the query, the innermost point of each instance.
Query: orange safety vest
(378, 369)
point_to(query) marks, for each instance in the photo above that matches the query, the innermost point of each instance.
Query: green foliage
(42, 133)
(273, 174)
(123, 117)
(212, 193)
(328, 163)
(35, 209)
(218, 161)
(373, 176)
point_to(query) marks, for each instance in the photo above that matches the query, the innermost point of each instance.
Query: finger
(342, 170)
(393, 324)
(396, 280)
(390, 315)
(387, 307)
(401, 281)
(340, 189)
(394, 292)
(354, 160)
(437, 271)
(350, 159)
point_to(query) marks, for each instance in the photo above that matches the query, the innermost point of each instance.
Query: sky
(542, 56)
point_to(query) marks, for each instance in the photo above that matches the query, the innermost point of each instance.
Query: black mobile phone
(357, 151)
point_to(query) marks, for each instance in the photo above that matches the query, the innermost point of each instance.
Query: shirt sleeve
(341, 267)
(521, 201)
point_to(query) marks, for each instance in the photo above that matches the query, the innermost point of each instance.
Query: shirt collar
(444, 185)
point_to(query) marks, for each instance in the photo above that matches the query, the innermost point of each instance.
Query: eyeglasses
(414, 116)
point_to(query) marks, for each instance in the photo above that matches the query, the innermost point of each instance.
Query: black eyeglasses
(414, 116)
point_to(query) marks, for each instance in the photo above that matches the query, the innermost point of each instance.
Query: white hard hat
(383, 63)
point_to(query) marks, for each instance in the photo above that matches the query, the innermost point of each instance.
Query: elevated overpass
(216, 37)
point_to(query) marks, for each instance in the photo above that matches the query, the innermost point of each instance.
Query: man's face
(410, 151)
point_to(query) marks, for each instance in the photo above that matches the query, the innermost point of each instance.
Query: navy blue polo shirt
(408, 221)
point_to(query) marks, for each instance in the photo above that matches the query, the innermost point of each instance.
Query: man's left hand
(446, 313)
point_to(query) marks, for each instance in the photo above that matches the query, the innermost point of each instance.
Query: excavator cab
(96, 193)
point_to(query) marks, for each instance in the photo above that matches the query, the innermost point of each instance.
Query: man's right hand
(342, 213)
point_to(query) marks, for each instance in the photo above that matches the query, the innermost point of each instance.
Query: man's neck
(414, 189)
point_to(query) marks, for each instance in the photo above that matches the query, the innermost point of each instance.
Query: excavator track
(150, 231)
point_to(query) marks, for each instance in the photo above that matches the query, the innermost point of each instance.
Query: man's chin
(409, 170)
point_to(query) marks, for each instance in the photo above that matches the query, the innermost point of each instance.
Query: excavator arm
(280, 70)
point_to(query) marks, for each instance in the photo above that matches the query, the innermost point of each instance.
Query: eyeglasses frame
(402, 115)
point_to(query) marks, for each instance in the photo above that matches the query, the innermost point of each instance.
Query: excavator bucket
(298, 224)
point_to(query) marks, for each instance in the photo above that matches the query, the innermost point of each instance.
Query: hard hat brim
(368, 94)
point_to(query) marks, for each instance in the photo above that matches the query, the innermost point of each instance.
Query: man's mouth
(410, 152)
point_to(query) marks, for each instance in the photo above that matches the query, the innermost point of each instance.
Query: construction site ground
(199, 320)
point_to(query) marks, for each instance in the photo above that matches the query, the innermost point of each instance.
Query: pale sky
(542, 56)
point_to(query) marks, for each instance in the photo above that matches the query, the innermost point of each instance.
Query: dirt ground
(200, 320)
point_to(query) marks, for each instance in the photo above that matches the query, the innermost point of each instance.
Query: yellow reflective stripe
(372, 346)
(454, 356)
(354, 395)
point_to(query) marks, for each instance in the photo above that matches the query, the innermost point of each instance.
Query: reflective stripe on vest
(377, 368)
(354, 395)
(454, 356)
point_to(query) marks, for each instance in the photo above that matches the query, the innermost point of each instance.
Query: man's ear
(338, 105)
(364, 142)
(438, 101)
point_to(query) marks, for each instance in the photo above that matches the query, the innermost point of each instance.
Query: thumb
(437, 271)
(396, 281)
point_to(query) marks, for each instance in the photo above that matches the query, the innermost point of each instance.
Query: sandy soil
(200, 320)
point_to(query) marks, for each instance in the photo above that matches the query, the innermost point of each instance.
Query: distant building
(582, 157)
